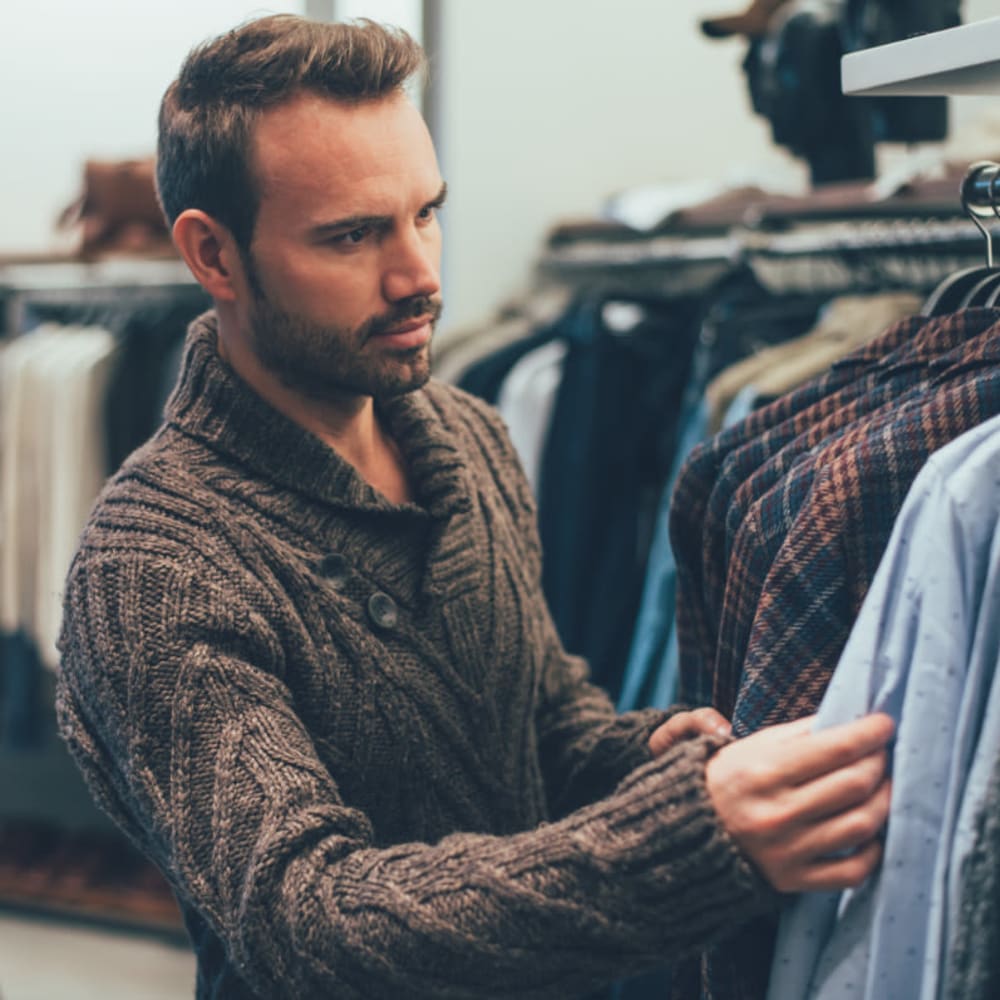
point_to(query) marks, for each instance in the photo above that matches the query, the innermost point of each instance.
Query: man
(307, 664)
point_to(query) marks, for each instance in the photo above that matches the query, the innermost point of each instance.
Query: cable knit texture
(346, 730)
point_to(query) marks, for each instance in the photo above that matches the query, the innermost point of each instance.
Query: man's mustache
(404, 312)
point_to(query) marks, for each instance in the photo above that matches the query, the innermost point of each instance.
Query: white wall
(83, 79)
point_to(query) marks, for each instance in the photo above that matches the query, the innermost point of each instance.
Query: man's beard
(327, 363)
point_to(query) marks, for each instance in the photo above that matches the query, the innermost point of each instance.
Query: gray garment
(974, 959)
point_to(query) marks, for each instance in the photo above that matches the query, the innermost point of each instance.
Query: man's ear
(210, 252)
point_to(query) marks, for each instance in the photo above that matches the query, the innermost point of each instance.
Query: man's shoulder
(162, 481)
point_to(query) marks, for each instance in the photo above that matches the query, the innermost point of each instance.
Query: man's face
(343, 270)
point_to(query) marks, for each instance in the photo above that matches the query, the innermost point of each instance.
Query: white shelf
(962, 60)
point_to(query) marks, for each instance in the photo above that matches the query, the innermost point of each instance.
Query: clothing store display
(652, 672)
(51, 450)
(742, 321)
(69, 430)
(223, 638)
(869, 23)
(486, 377)
(700, 570)
(924, 649)
(786, 568)
(793, 75)
(457, 350)
(82, 383)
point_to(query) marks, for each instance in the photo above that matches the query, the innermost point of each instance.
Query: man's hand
(700, 721)
(795, 800)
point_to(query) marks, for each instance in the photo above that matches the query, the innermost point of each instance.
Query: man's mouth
(413, 333)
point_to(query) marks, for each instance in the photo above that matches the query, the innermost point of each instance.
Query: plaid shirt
(688, 510)
(759, 517)
(828, 557)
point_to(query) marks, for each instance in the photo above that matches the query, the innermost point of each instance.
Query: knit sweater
(346, 731)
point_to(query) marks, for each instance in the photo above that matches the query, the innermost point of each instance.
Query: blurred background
(645, 165)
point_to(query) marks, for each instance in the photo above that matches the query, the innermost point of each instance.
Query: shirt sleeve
(171, 700)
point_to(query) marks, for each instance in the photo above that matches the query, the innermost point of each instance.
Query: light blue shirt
(923, 649)
(653, 667)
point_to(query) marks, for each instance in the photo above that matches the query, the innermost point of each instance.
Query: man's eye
(350, 237)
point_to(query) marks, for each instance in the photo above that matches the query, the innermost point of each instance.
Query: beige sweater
(346, 730)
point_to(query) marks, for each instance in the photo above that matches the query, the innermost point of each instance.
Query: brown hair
(208, 113)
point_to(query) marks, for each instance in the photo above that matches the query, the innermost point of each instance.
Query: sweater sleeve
(171, 700)
(586, 747)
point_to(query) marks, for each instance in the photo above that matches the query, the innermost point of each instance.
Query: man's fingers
(846, 831)
(840, 790)
(685, 724)
(833, 873)
(816, 754)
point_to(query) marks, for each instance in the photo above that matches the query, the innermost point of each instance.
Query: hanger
(984, 293)
(980, 294)
(973, 284)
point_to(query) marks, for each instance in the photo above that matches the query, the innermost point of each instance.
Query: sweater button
(334, 567)
(382, 610)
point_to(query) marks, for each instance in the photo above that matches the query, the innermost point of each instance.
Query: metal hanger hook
(979, 196)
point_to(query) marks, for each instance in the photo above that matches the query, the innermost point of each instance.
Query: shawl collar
(212, 404)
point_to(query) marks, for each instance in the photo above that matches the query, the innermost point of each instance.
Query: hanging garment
(848, 322)
(455, 351)
(486, 377)
(19, 493)
(609, 446)
(714, 492)
(651, 674)
(53, 382)
(527, 398)
(758, 508)
(924, 649)
(828, 557)
(74, 443)
(743, 320)
(973, 966)
(698, 477)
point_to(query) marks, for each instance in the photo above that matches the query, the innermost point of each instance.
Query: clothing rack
(94, 290)
(59, 855)
(835, 257)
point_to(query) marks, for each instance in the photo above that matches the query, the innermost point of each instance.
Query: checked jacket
(760, 514)
(810, 402)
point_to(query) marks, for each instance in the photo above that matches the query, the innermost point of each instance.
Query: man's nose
(413, 267)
